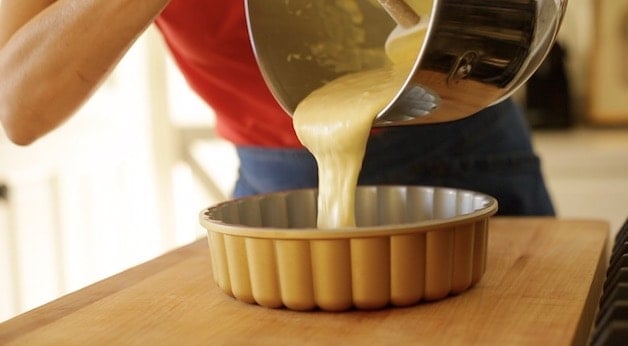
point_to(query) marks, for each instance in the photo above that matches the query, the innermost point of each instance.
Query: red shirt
(210, 43)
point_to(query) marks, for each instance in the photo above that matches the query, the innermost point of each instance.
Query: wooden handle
(401, 12)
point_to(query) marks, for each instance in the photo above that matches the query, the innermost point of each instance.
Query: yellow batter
(334, 123)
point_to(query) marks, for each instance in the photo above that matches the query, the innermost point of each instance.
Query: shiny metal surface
(477, 52)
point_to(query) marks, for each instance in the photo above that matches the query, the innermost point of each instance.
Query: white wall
(108, 189)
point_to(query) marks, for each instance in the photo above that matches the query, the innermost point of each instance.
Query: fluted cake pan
(411, 244)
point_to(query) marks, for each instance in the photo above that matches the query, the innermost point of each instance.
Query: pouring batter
(55, 54)
(334, 123)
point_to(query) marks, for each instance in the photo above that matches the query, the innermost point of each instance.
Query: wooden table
(541, 287)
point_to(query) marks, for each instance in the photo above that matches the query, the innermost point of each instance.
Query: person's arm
(54, 54)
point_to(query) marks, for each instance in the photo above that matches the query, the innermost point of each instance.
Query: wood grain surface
(541, 287)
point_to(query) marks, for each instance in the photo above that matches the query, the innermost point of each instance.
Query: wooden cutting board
(541, 287)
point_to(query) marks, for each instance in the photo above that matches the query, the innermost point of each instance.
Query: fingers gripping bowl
(412, 244)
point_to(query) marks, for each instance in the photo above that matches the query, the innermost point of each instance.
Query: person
(55, 54)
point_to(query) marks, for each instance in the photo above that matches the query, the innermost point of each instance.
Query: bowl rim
(311, 233)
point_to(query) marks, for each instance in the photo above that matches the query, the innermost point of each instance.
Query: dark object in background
(611, 324)
(547, 97)
(4, 192)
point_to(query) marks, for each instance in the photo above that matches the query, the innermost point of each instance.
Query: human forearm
(52, 63)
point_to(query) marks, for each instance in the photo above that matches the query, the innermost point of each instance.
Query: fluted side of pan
(412, 244)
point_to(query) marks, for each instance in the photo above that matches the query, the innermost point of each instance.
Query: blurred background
(125, 179)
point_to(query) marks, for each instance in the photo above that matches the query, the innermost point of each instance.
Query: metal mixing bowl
(477, 52)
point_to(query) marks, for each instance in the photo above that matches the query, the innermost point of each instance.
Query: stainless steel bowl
(477, 52)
